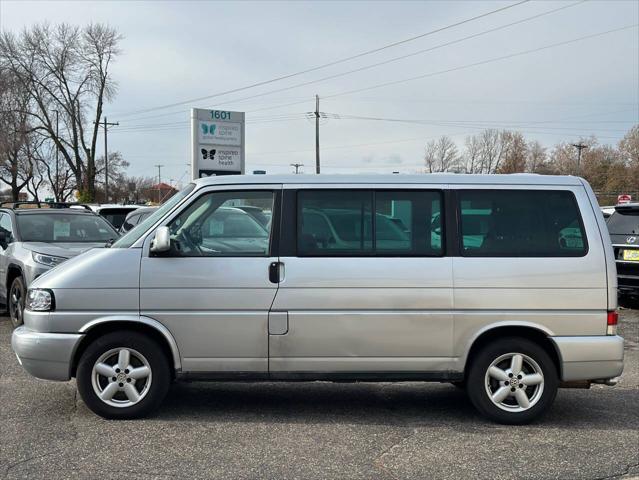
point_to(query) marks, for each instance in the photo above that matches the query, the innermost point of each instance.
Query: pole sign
(217, 143)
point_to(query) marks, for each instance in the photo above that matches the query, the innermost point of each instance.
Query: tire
(15, 301)
(500, 357)
(128, 393)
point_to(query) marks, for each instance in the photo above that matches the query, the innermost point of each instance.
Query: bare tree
(629, 146)
(441, 155)
(472, 154)
(491, 150)
(15, 163)
(536, 157)
(65, 70)
(117, 177)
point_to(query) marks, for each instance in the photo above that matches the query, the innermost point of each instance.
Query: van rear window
(520, 223)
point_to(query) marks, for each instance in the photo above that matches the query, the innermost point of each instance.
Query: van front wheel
(512, 381)
(123, 375)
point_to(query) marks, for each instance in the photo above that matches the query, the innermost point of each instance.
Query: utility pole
(106, 126)
(297, 167)
(317, 151)
(159, 181)
(579, 147)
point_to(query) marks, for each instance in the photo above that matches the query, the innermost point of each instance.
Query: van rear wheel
(512, 381)
(123, 375)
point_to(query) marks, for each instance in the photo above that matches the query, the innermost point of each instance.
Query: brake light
(613, 319)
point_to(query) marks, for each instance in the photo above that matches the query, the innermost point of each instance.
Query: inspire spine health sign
(217, 138)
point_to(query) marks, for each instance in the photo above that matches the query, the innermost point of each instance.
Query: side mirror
(4, 239)
(162, 240)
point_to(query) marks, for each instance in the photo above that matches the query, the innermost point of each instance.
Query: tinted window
(334, 222)
(520, 223)
(624, 223)
(216, 225)
(408, 223)
(63, 228)
(359, 222)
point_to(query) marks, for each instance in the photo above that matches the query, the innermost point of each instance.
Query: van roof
(435, 178)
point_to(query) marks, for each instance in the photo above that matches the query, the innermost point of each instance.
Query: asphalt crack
(620, 475)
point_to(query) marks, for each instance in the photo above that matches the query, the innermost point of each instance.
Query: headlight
(39, 300)
(48, 260)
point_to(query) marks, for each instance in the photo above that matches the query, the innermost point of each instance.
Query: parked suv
(503, 284)
(35, 237)
(623, 226)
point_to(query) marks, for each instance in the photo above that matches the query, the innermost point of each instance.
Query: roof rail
(37, 204)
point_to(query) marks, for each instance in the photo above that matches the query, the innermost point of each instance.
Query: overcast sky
(175, 51)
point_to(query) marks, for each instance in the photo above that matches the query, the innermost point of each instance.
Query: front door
(367, 287)
(212, 289)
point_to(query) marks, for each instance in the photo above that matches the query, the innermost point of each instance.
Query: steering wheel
(189, 241)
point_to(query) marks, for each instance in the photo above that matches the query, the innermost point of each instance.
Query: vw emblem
(631, 239)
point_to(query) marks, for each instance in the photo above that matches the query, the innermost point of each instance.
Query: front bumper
(590, 358)
(45, 355)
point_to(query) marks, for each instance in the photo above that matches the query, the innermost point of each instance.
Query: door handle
(276, 272)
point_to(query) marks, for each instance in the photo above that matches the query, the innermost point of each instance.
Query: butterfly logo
(208, 153)
(208, 129)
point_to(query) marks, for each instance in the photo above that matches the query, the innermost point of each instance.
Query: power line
(329, 64)
(395, 59)
(484, 62)
(432, 74)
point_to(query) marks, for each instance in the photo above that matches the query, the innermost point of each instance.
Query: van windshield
(134, 234)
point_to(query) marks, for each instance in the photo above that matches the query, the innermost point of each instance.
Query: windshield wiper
(110, 242)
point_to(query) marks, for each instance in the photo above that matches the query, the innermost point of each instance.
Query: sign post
(217, 143)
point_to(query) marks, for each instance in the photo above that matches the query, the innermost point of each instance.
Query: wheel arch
(533, 332)
(13, 270)
(145, 325)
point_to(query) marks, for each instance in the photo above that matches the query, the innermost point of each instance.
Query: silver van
(504, 285)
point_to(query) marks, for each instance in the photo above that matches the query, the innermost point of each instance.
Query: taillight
(613, 319)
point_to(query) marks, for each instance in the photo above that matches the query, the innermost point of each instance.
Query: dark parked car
(623, 226)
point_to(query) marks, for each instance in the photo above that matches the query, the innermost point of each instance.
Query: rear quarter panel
(558, 296)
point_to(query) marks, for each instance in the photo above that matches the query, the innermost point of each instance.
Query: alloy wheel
(16, 303)
(514, 382)
(121, 377)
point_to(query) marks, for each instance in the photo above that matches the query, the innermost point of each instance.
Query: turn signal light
(613, 319)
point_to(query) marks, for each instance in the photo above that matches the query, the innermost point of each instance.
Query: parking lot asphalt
(317, 430)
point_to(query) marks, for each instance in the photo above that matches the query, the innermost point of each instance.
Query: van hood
(98, 268)
(66, 250)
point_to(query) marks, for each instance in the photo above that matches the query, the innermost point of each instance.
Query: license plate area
(630, 255)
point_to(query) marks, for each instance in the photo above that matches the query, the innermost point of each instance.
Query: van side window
(221, 224)
(520, 223)
(408, 222)
(369, 223)
(334, 222)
